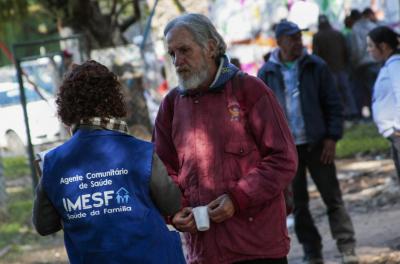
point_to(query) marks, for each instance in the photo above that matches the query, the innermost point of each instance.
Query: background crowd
(275, 128)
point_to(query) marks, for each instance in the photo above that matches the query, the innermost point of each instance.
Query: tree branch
(127, 23)
(113, 8)
(179, 5)
(131, 20)
(122, 8)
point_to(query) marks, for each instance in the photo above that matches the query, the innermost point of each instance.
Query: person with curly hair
(106, 189)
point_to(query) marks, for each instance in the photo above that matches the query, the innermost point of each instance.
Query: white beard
(194, 80)
(198, 76)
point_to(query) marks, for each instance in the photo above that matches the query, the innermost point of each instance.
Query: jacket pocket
(240, 157)
(240, 148)
(261, 233)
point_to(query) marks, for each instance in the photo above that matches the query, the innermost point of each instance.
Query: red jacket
(217, 142)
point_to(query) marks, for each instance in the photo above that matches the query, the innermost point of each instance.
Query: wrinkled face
(374, 51)
(189, 58)
(291, 46)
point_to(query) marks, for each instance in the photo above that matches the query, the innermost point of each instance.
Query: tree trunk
(98, 28)
(101, 31)
(138, 114)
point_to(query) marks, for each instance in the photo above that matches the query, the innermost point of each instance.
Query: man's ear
(279, 41)
(212, 48)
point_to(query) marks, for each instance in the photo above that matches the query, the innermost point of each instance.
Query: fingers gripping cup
(201, 218)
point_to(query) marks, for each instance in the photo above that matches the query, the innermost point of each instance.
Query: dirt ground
(372, 197)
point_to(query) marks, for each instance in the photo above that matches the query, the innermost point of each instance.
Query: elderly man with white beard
(224, 140)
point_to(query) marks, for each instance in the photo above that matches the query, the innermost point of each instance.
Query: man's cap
(286, 28)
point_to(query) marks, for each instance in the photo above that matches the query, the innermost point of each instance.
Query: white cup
(201, 218)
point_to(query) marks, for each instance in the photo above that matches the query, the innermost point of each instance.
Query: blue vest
(99, 183)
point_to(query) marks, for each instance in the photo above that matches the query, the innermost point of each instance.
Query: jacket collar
(113, 124)
(394, 57)
(274, 63)
(225, 72)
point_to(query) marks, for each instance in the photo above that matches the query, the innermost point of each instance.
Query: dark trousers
(395, 140)
(364, 79)
(264, 261)
(324, 177)
(345, 89)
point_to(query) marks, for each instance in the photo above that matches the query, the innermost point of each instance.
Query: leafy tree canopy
(102, 22)
(11, 10)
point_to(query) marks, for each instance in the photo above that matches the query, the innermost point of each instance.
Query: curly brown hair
(90, 90)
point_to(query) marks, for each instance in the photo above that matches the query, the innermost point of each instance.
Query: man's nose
(178, 60)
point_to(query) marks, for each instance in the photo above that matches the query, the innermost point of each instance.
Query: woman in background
(383, 45)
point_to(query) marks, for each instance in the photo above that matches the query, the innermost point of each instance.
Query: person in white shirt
(383, 45)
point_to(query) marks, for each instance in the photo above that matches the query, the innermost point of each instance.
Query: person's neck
(388, 54)
(285, 58)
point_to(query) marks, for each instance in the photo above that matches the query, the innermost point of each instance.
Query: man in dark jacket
(364, 67)
(305, 88)
(330, 45)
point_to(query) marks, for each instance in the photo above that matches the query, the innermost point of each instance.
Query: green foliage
(16, 228)
(7, 232)
(20, 20)
(16, 167)
(11, 10)
(361, 139)
(101, 21)
(19, 213)
(21, 209)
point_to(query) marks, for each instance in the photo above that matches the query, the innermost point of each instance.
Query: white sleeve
(394, 75)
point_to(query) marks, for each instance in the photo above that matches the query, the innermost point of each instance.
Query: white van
(43, 122)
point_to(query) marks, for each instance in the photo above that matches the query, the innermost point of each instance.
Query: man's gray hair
(202, 30)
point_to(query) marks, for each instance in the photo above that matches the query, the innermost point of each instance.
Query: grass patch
(16, 167)
(361, 139)
(15, 227)
(17, 221)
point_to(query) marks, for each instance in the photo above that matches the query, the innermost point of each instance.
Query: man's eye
(184, 50)
(171, 54)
